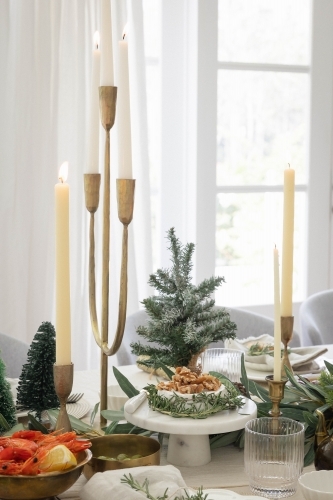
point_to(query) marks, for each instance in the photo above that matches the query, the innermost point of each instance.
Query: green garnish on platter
(201, 405)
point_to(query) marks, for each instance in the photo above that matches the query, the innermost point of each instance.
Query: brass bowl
(114, 444)
(43, 486)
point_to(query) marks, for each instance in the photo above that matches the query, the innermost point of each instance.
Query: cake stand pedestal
(189, 438)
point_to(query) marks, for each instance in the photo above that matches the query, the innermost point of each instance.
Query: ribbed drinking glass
(224, 361)
(273, 454)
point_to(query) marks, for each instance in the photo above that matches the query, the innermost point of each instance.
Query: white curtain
(45, 68)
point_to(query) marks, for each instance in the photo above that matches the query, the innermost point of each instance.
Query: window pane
(247, 228)
(261, 126)
(264, 31)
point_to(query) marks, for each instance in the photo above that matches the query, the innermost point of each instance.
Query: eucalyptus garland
(200, 406)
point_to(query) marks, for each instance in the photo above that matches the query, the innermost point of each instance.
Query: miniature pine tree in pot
(36, 390)
(7, 408)
(182, 318)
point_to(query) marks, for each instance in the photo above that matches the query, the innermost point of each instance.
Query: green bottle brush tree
(182, 318)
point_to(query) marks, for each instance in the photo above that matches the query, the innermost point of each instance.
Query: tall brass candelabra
(125, 201)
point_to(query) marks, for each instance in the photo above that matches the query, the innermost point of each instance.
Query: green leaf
(37, 425)
(76, 424)
(93, 414)
(113, 415)
(244, 380)
(258, 390)
(310, 419)
(125, 429)
(17, 427)
(125, 384)
(169, 373)
(3, 423)
(223, 439)
(309, 457)
(111, 428)
(329, 367)
(161, 437)
(302, 388)
(223, 379)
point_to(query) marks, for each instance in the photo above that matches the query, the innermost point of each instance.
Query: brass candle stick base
(287, 326)
(63, 383)
(276, 393)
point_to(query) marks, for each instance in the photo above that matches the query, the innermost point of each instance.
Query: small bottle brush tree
(36, 390)
(7, 407)
(182, 318)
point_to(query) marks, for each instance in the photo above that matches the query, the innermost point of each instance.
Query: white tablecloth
(226, 470)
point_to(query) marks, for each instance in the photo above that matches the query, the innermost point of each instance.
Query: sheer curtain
(45, 63)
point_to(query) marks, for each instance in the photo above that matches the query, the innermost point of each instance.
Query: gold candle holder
(63, 383)
(287, 327)
(276, 393)
(125, 201)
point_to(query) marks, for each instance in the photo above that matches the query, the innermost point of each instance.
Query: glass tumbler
(224, 361)
(273, 455)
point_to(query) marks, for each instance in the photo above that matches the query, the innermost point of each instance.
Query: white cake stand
(189, 438)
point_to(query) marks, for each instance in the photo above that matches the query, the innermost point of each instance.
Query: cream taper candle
(124, 114)
(63, 312)
(288, 243)
(277, 319)
(107, 77)
(93, 137)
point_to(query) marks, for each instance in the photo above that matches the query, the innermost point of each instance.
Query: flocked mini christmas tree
(7, 407)
(182, 318)
(36, 390)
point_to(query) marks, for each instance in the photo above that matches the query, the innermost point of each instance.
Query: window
(237, 89)
(262, 124)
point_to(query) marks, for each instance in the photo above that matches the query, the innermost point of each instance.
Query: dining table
(226, 468)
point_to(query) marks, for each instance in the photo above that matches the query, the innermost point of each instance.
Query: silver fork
(74, 398)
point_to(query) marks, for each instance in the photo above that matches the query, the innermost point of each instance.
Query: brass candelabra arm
(125, 197)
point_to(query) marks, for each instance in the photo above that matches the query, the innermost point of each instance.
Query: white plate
(77, 410)
(220, 494)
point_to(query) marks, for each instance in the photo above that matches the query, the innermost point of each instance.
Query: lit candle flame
(63, 172)
(125, 31)
(97, 39)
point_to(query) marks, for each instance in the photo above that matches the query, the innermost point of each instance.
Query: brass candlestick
(276, 393)
(287, 326)
(63, 383)
(125, 201)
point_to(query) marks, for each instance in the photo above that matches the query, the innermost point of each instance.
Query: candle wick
(124, 35)
(289, 165)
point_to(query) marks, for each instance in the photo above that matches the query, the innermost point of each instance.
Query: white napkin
(108, 484)
(298, 356)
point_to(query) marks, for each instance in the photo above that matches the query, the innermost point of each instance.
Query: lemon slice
(58, 458)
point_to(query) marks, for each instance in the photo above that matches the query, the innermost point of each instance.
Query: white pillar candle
(93, 137)
(124, 114)
(63, 313)
(277, 319)
(107, 77)
(288, 243)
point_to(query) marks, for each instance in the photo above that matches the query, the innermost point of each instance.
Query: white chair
(316, 319)
(13, 352)
(248, 324)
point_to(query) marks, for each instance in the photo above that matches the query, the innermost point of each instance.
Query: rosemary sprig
(258, 349)
(144, 488)
(201, 405)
